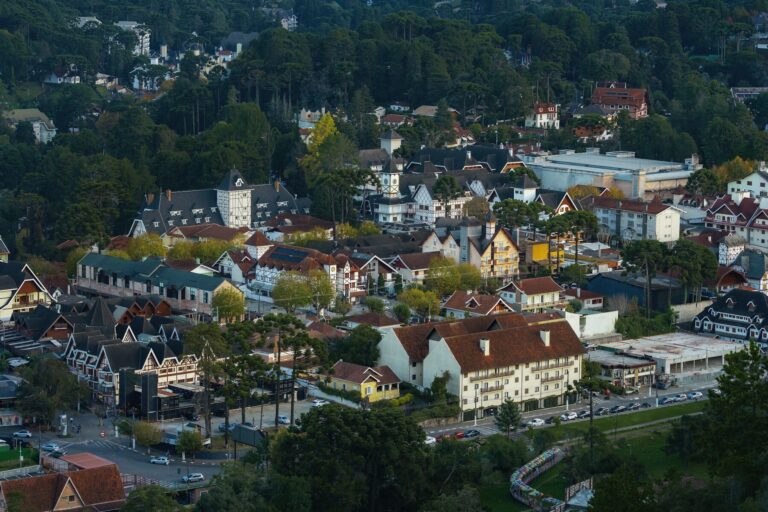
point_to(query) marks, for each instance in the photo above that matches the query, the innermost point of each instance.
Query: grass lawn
(648, 448)
(9, 459)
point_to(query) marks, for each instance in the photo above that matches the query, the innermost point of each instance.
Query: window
(526, 391)
(526, 378)
(413, 377)
(536, 389)
(546, 388)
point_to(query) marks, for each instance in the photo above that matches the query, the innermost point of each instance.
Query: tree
(291, 291)
(145, 246)
(361, 346)
(578, 192)
(477, 207)
(731, 170)
(470, 276)
(703, 182)
(189, 442)
(443, 276)
(696, 264)
(508, 417)
(297, 341)
(402, 312)
(321, 289)
(207, 342)
(512, 213)
(624, 487)
(466, 500)
(445, 190)
(575, 274)
(73, 257)
(578, 221)
(374, 305)
(151, 497)
(647, 256)
(49, 388)
(229, 304)
(147, 434)
(424, 303)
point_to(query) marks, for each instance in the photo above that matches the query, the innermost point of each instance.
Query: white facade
(543, 117)
(633, 225)
(729, 250)
(235, 207)
(590, 324)
(756, 183)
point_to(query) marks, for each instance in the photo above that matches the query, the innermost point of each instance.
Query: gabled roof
(233, 180)
(373, 319)
(207, 231)
(416, 260)
(290, 257)
(477, 303)
(258, 239)
(631, 205)
(3, 247)
(740, 302)
(533, 286)
(359, 374)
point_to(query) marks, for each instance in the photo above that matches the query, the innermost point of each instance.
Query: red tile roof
(373, 319)
(534, 285)
(582, 294)
(418, 260)
(297, 221)
(85, 460)
(258, 239)
(480, 304)
(324, 330)
(359, 374)
(629, 205)
(618, 96)
(207, 231)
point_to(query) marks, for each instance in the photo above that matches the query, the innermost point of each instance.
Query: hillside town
(383, 256)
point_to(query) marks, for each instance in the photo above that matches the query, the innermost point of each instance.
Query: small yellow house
(536, 252)
(373, 384)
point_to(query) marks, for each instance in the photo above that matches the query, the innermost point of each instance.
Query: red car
(458, 435)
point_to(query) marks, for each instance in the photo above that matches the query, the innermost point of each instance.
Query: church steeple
(390, 179)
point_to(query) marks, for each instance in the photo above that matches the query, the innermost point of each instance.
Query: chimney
(239, 48)
(578, 292)
(544, 337)
(197, 261)
(169, 194)
(485, 346)
(150, 197)
(277, 184)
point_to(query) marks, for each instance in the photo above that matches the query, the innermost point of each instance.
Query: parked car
(550, 420)
(633, 407)
(491, 411)
(695, 395)
(602, 411)
(459, 435)
(50, 447)
(319, 403)
(568, 416)
(193, 477)
(283, 420)
(159, 460)
(22, 434)
(584, 414)
(716, 391)
(667, 400)
(430, 441)
(56, 454)
(617, 409)
(535, 422)
(682, 397)
(444, 437)
(469, 434)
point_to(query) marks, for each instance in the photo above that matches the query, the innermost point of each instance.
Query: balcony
(492, 376)
(553, 378)
(491, 389)
(547, 366)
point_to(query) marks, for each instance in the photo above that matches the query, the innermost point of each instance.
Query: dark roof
(13, 274)
(373, 319)
(391, 134)
(290, 257)
(418, 260)
(233, 180)
(631, 205)
(551, 198)
(3, 247)
(752, 304)
(478, 303)
(490, 158)
(534, 285)
(38, 321)
(100, 315)
(357, 373)
(754, 263)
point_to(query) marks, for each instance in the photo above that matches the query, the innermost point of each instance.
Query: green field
(9, 459)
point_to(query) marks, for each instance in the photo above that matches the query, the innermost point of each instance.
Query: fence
(26, 470)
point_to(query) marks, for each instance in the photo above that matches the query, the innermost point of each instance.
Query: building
(373, 384)
(463, 304)
(413, 267)
(729, 248)
(739, 315)
(588, 299)
(391, 141)
(623, 370)
(187, 291)
(142, 33)
(543, 117)
(62, 76)
(593, 324)
(234, 204)
(756, 183)
(202, 233)
(741, 214)
(613, 97)
(635, 177)
(488, 359)
(628, 220)
(523, 189)
(678, 354)
(4, 252)
(754, 265)
(235, 265)
(42, 126)
(616, 286)
(379, 321)
(743, 94)
(532, 295)
(558, 202)
(99, 488)
(20, 290)
(287, 226)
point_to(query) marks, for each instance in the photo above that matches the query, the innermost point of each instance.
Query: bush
(404, 399)
(637, 325)
(436, 411)
(346, 394)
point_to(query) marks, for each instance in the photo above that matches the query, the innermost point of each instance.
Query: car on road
(469, 434)
(550, 420)
(602, 411)
(159, 460)
(568, 416)
(682, 397)
(193, 477)
(19, 434)
(535, 422)
(50, 447)
(645, 405)
(430, 441)
(319, 403)
(283, 420)
(56, 454)
(667, 400)
(716, 391)
(695, 395)
(633, 407)
(444, 437)
(617, 409)
(459, 435)
(584, 414)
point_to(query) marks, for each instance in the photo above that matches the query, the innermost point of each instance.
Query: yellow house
(373, 384)
(500, 256)
(536, 252)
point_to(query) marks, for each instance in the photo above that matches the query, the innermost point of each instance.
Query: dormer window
(729, 303)
(239, 182)
(184, 222)
(213, 209)
(207, 219)
(156, 224)
(751, 306)
(197, 220)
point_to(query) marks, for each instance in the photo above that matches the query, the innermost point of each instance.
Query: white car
(695, 395)
(50, 447)
(535, 422)
(193, 477)
(682, 397)
(429, 441)
(159, 460)
(283, 420)
(22, 433)
(319, 403)
(568, 416)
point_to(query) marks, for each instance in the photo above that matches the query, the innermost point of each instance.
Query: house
(373, 384)
(488, 359)
(379, 321)
(616, 286)
(543, 117)
(739, 315)
(413, 267)
(395, 120)
(523, 189)
(61, 76)
(741, 214)
(472, 158)
(724, 280)
(430, 111)
(628, 219)
(351, 281)
(42, 323)
(234, 204)
(754, 265)
(614, 97)
(399, 106)
(257, 244)
(622, 369)
(756, 183)
(558, 202)
(142, 33)
(202, 233)
(286, 226)
(729, 248)
(463, 304)
(588, 299)
(107, 275)
(490, 248)
(380, 276)
(99, 488)
(20, 289)
(4, 252)
(235, 265)
(42, 126)
(534, 294)
(544, 254)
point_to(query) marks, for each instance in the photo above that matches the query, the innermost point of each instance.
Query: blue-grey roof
(3, 247)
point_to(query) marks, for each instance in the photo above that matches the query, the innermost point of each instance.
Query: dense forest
(490, 60)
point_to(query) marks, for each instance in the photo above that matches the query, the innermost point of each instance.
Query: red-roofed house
(235, 265)
(413, 267)
(373, 384)
(465, 304)
(535, 294)
(589, 300)
(614, 97)
(630, 219)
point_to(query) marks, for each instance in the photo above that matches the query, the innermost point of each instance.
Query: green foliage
(145, 246)
(47, 389)
(443, 276)
(359, 347)
(424, 303)
(466, 500)
(374, 305)
(320, 288)
(291, 291)
(508, 417)
(402, 312)
(575, 274)
(151, 497)
(623, 486)
(189, 442)
(229, 304)
(633, 326)
(147, 434)
(346, 394)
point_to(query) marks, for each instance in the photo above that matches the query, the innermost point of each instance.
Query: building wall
(593, 324)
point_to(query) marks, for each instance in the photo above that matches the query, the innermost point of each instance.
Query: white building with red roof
(630, 219)
(532, 295)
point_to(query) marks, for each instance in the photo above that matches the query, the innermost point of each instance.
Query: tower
(233, 197)
(391, 141)
(390, 180)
